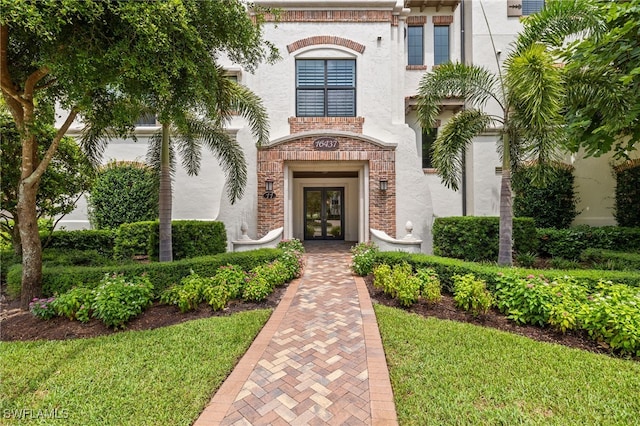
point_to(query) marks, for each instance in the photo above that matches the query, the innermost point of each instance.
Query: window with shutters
(325, 88)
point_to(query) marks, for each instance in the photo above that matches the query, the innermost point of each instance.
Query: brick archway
(351, 148)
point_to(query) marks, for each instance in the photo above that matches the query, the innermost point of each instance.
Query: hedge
(475, 238)
(627, 207)
(102, 240)
(190, 238)
(569, 243)
(447, 267)
(608, 259)
(162, 275)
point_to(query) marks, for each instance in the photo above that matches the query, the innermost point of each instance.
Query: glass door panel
(324, 213)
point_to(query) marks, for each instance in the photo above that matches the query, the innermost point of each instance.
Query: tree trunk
(166, 252)
(15, 237)
(31, 246)
(505, 250)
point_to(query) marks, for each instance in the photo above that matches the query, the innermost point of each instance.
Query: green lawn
(157, 377)
(446, 373)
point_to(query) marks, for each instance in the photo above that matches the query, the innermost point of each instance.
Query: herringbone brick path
(318, 361)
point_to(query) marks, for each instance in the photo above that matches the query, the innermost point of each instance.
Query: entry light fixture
(268, 188)
(384, 184)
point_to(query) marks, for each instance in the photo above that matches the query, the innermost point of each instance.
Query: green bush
(608, 259)
(292, 257)
(162, 275)
(43, 308)
(476, 238)
(123, 192)
(188, 294)
(447, 267)
(118, 299)
(75, 304)
(627, 205)
(66, 257)
(256, 288)
(551, 204)
(429, 285)
(232, 277)
(101, 240)
(190, 238)
(406, 285)
(471, 294)
(217, 296)
(569, 243)
(363, 256)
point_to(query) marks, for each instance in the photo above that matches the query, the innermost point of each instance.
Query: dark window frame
(428, 137)
(409, 41)
(436, 58)
(326, 88)
(529, 7)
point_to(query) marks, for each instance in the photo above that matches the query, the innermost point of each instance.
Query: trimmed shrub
(627, 205)
(101, 240)
(569, 243)
(613, 260)
(190, 238)
(123, 192)
(447, 267)
(552, 205)
(162, 275)
(476, 238)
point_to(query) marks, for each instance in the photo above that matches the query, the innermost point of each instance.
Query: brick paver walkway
(318, 360)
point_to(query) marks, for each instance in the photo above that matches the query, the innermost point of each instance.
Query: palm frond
(557, 22)
(454, 138)
(154, 153)
(476, 85)
(249, 106)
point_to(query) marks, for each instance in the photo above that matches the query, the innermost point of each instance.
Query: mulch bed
(22, 326)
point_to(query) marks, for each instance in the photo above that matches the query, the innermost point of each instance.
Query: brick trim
(346, 124)
(338, 41)
(416, 20)
(330, 16)
(381, 159)
(442, 20)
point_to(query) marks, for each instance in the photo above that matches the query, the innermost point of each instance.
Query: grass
(446, 373)
(157, 377)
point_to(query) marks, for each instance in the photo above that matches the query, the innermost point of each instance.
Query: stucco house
(346, 153)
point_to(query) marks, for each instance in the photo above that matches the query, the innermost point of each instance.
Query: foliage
(118, 299)
(608, 259)
(68, 176)
(190, 238)
(256, 287)
(43, 308)
(429, 285)
(453, 373)
(398, 282)
(75, 304)
(123, 192)
(158, 366)
(602, 72)
(363, 256)
(231, 277)
(471, 294)
(551, 204)
(382, 275)
(292, 257)
(100, 240)
(475, 238)
(217, 296)
(569, 243)
(627, 205)
(188, 294)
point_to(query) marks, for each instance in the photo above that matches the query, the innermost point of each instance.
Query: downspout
(463, 187)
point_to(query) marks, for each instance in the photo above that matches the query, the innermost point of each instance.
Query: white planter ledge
(270, 240)
(408, 244)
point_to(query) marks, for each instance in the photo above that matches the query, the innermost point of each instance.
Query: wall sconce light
(268, 187)
(384, 184)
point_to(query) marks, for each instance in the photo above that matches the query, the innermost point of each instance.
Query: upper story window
(428, 138)
(441, 44)
(325, 88)
(415, 45)
(146, 120)
(529, 7)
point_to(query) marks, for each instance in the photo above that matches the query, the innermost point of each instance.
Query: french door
(324, 213)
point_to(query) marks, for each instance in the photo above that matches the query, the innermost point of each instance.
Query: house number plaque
(325, 144)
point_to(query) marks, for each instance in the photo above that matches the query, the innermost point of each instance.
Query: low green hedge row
(446, 268)
(101, 240)
(190, 238)
(569, 243)
(608, 259)
(162, 275)
(475, 238)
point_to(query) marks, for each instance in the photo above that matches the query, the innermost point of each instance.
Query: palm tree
(528, 92)
(187, 132)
